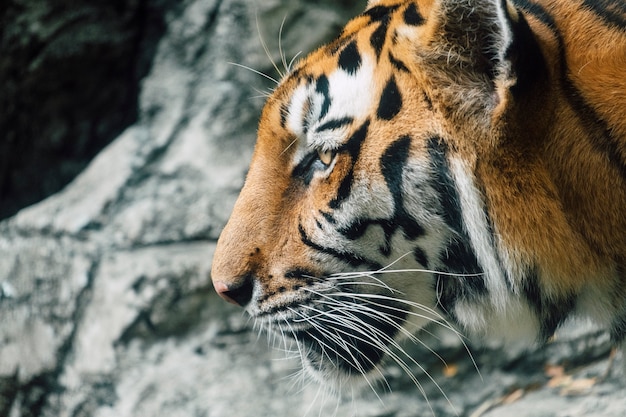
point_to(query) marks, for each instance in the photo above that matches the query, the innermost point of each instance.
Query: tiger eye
(326, 156)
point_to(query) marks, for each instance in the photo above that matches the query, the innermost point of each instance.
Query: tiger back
(441, 163)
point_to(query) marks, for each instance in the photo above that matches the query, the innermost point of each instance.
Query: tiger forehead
(343, 83)
(371, 30)
(320, 109)
(390, 13)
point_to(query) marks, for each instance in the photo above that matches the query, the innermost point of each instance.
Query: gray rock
(56, 58)
(106, 306)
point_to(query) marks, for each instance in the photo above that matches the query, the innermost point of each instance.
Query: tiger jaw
(347, 324)
(347, 332)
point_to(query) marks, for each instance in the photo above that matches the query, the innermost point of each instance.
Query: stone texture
(56, 57)
(106, 307)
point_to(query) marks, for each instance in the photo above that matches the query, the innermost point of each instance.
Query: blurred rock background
(126, 134)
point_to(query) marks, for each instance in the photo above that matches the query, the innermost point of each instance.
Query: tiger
(458, 164)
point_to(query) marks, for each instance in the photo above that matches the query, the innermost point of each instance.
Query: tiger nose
(238, 292)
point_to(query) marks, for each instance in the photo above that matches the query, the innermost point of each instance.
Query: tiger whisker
(368, 333)
(440, 318)
(262, 74)
(317, 394)
(293, 60)
(266, 49)
(283, 58)
(331, 318)
(376, 314)
(349, 306)
(369, 338)
(371, 284)
(334, 338)
(444, 273)
(372, 312)
(378, 281)
(441, 321)
(348, 309)
(386, 269)
(261, 94)
(398, 271)
(347, 346)
(289, 146)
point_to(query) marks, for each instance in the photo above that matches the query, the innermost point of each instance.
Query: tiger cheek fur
(435, 165)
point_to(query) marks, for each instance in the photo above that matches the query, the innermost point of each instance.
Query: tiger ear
(469, 50)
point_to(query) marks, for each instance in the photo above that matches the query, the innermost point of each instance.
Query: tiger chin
(457, 164)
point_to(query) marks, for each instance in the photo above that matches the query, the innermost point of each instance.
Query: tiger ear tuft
(471, 48)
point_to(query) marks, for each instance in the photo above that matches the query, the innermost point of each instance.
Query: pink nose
(238, 292)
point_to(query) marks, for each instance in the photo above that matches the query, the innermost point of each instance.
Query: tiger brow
(334, 124)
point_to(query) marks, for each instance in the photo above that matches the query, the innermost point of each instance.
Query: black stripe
(392, 166)
(612, 12)
(443, 183)
(358, 227)
(334, 124)
(538, 12)
(352, 259)
(526, 58)
(427, 100)
(328, 217)
(598, 130)
(399, 65)
(353, 144)
(307, 167)
(420, 257)
(350, 59)
(284, 113)
(343, 191)
(458, 256)
(378, 37)
(322, 86)
(552, 311)
(390, 101)
(353, 148)
(378, 13)
(301, 273)
(412, 16)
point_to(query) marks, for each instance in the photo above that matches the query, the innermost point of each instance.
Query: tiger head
(386, 186)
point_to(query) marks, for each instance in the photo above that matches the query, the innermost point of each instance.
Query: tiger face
(420, 171)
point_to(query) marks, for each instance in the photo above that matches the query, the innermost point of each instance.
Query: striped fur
(441, 163)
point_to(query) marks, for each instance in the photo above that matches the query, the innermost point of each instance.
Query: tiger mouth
(351, 354)
(350, 337)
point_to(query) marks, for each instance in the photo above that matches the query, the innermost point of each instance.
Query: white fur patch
(475, 220)
(505, 315)
(506, 36)
(300, 100)
(351, 96)
(517, 323)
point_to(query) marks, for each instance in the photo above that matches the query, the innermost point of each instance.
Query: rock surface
(106, 307)
(56, 57)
